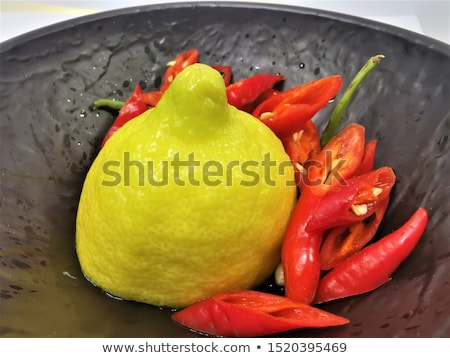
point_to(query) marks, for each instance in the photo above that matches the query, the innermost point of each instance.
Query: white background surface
(430, 18)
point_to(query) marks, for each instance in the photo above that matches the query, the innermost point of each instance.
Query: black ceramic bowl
(49, 137)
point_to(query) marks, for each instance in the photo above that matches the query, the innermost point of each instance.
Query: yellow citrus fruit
(187, 200)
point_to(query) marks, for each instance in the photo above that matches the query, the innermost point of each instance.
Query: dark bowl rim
(413, 37)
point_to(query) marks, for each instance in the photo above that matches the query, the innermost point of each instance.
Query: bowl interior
(50, 135)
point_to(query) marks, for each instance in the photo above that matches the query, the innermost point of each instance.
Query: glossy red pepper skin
(244, 92)
(287, 113)
(341, 242)
(271, 92)
(151, 98)
(300, 253)
(250, 107)
(226, 73)
(337, 161)
(174, 67)
(132, 108)
(336, 206)
(368, 159)
(372, 266)
(249, 313)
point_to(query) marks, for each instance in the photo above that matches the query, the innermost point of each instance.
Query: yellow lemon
(187, 200)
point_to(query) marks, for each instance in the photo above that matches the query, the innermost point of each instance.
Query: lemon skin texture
(179, 205)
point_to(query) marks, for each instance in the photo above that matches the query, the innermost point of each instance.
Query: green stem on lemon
(343, 103)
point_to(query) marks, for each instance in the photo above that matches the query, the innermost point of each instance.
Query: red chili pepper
(372, 266)
(353, 201)
(301, 147)
(180, 62)
(249, 313)
(268, 93)
(242, 93)
(300, 253)
(288, 112)
(250, 107)
(151, 98)
(337, 161)
(342, 242)
(368, 159)
(132, 108)
(226, 73)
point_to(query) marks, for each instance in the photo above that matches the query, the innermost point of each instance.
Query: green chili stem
(110, 103)
(343, 103)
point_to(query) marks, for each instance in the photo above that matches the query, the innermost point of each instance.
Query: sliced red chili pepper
(249, 107)
(268, 93)
(353, 201)
(301, 147)
(226, 73)
(180, 62)
(300, 253)
(368, 159)
(342, 242)
(287, 112)
(246, 91)
(372, 266)
(133, 107)
(337, 161)
(249, 313)
(151, 98)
